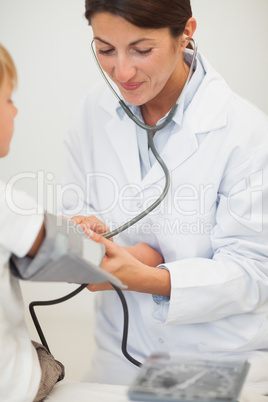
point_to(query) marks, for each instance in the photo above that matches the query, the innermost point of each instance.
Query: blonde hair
(7, 68)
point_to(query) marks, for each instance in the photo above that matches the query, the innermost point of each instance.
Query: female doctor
(196, 267)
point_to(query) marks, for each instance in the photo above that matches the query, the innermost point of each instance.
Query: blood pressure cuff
(67, 254)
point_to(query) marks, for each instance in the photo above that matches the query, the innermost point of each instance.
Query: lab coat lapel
(207, 112)
(122, 134)
(180, 147)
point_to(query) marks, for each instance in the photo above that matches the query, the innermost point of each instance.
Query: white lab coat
(212, 228)
(20, 371)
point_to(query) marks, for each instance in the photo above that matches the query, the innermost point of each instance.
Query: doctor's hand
(140, 276)
(92, 223)
(145, 254)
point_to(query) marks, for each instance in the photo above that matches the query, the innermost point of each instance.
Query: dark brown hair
(172, 14)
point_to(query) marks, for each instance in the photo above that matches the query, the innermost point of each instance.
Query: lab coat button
(161, 340)
(139, 205)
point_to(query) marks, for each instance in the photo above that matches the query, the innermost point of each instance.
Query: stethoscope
(150, 131)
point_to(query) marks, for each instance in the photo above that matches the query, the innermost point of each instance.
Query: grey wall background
(49, 41)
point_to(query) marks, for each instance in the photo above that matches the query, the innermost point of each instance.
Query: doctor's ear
(189, 31)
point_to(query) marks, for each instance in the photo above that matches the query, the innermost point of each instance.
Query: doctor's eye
(144, 51)
(108, 51)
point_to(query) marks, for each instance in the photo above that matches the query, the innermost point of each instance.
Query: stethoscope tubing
(150, 132)
(127, 109)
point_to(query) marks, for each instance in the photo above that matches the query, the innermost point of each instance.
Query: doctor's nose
(124, 69)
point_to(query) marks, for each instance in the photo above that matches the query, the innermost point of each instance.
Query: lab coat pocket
(260, 339)
(238, 333)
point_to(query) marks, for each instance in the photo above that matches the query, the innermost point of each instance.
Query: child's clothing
(20, 371)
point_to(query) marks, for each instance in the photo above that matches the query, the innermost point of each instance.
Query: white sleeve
(20, 220)
(235, 279)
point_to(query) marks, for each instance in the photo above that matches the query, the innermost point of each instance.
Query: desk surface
(66, 391)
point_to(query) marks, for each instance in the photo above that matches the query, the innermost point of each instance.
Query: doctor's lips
(130, 86)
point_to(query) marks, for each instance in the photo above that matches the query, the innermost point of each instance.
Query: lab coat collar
(206, 112)
(208, 109)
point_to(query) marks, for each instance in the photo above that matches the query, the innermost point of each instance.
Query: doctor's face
(7, 114)
(143, 63)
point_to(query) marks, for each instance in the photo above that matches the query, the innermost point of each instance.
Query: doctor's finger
(95, 224)
(77, 219)
(109, 246)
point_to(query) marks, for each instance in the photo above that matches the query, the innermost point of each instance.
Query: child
(22, 376)
(27, 370)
